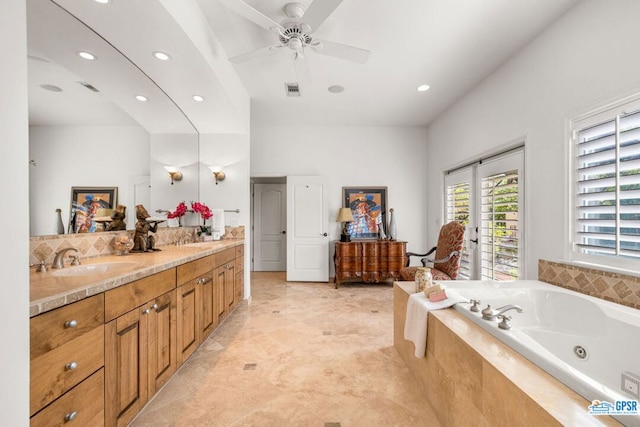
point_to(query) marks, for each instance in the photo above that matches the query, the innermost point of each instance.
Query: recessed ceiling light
(423, 88)
(198, 98)
(141, 98)
(102, 1)
(161, 55)
(336, 89)
(87, 55)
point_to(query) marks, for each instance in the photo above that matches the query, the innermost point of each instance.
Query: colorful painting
(85, 203)
(369, 208)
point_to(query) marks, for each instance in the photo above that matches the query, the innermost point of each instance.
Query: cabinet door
(125, 367)
(219, 275)
(207, 311)
(229, 286)
(161, 340)
(187, 331)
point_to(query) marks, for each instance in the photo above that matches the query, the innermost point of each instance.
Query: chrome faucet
(491, 314)
(58, 261)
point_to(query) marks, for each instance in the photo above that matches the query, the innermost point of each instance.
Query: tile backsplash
(616, 287)
(96, 244)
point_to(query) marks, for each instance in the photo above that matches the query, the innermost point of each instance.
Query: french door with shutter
(487, 198)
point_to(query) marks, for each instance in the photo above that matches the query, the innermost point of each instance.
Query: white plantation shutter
(607, 184)
(459, 207)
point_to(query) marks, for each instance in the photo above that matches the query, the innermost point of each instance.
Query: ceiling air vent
(89, 86)
(292, 89)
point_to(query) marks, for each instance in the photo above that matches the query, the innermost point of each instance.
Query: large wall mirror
(87, 129)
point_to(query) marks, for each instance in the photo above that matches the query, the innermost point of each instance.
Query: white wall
(82, 156)
(588, 57)
(351, 156)
(180, 151)
(231, 151)
(14, 163)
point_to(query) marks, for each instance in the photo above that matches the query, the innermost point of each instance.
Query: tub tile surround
(100, 244)
(48, 291)
(471, 378)
(615, 287)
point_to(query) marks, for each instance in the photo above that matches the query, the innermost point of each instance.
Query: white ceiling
(449, 45)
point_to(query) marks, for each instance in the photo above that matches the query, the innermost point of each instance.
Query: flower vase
(393, 231)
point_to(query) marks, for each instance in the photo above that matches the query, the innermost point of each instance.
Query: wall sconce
(173, 173)
(217, 173)
(344, 216)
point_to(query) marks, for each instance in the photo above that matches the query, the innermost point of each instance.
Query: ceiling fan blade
(342, 51)
(254, 54)
(253, 15)
(318, 12)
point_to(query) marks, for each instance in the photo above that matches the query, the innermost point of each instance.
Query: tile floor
(300, 354)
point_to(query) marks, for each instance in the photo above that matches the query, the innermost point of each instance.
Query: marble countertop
(48, 291)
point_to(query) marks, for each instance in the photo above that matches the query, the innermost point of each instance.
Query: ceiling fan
(296, 32)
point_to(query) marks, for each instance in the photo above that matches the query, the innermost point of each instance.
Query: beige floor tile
(321, 355)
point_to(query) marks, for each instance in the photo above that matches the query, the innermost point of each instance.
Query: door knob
(284, 231)
(325, 234)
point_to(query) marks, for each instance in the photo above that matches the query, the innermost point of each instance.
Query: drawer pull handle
(71, 323)
(71, 366)
(155, 307)
(205, 280)
(70, 416)
(146, 311)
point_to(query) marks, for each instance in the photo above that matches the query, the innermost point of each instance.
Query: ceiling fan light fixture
(295, 44)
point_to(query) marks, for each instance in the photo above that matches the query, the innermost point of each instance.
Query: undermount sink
(91, 269)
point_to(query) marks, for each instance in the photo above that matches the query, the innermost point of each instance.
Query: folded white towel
(217, 222)
(418, 307)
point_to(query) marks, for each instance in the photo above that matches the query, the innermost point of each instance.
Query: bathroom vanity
(102, 344)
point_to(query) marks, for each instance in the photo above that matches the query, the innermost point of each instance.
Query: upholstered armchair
(447, 258)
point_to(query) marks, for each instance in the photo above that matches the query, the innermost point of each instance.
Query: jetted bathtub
(587, 343)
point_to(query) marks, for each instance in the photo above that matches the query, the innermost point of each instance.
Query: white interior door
(269, 227)
(307, 229)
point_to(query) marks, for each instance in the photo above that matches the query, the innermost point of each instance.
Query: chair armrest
(410, 254)
(445, 259)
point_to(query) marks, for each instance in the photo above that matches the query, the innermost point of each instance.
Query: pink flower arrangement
(205, 214)
(181, 209)
(202, 209)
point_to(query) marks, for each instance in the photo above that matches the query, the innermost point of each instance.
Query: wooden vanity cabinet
(224, 282)
(67, 347)
(196, 305)
(140, 344)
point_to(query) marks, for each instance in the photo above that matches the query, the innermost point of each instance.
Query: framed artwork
(369, 208)
(85, 204)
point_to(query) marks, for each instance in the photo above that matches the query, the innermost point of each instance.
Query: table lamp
(344, 216)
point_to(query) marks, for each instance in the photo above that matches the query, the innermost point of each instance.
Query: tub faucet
(491, 314)
(58, 261)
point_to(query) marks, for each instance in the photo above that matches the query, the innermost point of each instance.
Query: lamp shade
(344, 215)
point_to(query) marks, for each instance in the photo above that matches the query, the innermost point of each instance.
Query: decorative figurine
(142, 242)
(118, 217)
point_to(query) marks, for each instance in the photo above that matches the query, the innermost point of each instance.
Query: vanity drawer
(125, 298)
(84, 405)
(54, 328)
(57, 371)
(194, 269)
(225, 256)
(239, 251)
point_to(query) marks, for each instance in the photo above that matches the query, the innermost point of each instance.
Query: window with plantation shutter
(607, 184)
(487, 198)
(499, 219)
(458, 205)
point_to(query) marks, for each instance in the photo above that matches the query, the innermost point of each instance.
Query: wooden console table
(369, 261)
